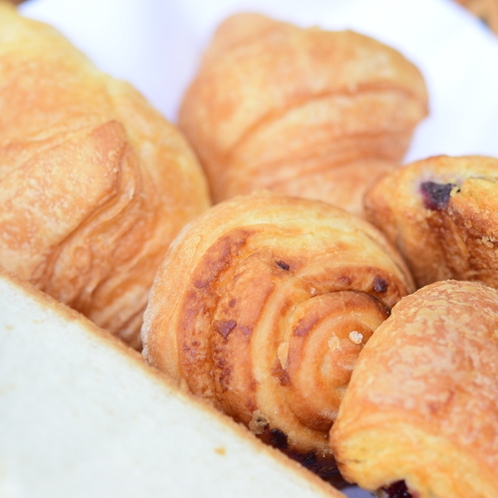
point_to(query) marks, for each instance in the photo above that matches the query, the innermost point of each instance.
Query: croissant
(275, 106)
(419, 415)
(442, 214)
(94, 182)
(261, 306)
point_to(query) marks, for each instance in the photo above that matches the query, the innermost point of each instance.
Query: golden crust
(422, 402)
(450, 236)
(273, 104)
(262, 305)
(94, 183)
(343, 185)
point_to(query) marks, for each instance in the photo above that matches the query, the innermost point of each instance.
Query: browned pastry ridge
(442, 214)
(94, 183)
(262, 305)
(275, 106)
(422, 403)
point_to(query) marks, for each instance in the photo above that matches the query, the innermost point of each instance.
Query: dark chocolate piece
(283, 265)
(398, 490)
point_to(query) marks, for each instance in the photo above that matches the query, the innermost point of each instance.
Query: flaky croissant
(274, 106)
(94, 183)
(442, 214)
(261, 307)
(419, 418)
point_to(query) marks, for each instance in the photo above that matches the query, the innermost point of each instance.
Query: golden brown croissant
(442, 213)
(420, 412)
(262, 305)
(94, 183)
(274, 106)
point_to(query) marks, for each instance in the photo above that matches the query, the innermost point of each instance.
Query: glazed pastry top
(423, 398)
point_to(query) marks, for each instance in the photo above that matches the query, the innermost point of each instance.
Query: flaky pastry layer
(422, 403)
(94, 183)
(262, 305)
(273, 104)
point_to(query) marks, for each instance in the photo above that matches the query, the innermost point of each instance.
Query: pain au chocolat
(442, 214)
(262, 305)
(280, 107)
(419, 415)
(94, 182)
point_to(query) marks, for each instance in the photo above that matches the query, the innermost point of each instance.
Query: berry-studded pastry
(419, 418)
(262, 306)
(442, 214)
(94, 183)
(276, 106)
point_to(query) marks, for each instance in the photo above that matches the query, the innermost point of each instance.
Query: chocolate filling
(278, 439)
(397, 490)
(380, 285)
(283, 265)
(324, 467)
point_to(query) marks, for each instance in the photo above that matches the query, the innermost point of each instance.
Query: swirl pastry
(94, 183)
(274, 106)
(442, 213)
(420, 411)
(262, 305)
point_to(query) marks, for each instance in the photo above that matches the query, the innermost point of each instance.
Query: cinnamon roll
(261, 307)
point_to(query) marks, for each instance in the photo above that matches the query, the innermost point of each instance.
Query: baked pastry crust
(274, 104)
(343, 185)
(261, 307)
(94, 183)
(442, 214)
(422, 402)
